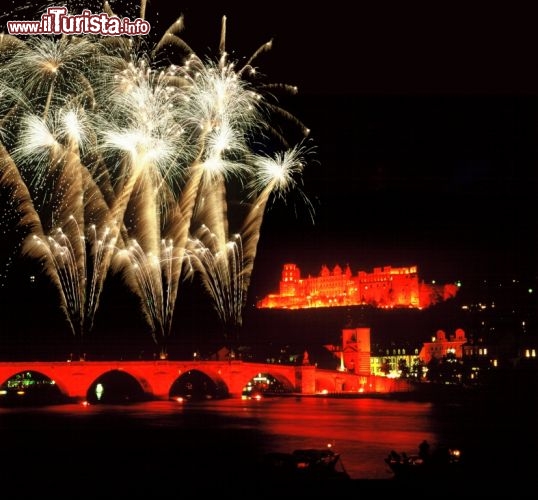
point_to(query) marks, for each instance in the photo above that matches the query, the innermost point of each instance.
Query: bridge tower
(356, 350)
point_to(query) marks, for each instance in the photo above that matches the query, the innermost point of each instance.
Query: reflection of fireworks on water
(113, 163)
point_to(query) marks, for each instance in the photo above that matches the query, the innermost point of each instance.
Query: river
(219, 441)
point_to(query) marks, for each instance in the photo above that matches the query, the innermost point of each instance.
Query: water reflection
(362, 430)
(224, 439)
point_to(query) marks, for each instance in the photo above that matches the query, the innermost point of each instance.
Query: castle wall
(383, 287)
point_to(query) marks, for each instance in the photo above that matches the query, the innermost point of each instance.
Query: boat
(310, 464)
(443, 461)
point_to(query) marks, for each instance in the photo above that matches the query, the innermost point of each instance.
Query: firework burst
(115, 162)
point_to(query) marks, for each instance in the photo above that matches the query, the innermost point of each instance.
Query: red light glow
(384, 287)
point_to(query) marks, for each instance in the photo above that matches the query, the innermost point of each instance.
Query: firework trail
(19, 215)
(217, 257)
(115, 162)
(146, 149)
(235, 116)
(45, 150)
(275, 176)
(229, 115)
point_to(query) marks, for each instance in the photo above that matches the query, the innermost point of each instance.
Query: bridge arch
(30, 387)
(119, 386)
(251, 377)
(199, 384)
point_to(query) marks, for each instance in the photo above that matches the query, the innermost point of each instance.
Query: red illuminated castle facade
(384, 287)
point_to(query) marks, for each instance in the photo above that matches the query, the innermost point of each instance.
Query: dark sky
(424, 122)
(425, 129)
(370, 48)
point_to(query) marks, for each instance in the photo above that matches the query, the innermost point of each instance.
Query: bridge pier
(305, 379)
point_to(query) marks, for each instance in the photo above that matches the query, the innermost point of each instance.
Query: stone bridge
(75, 379)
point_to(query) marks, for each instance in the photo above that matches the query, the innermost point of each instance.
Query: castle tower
(291, 274)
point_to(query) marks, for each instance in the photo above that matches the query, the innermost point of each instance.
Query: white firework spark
(117, 161)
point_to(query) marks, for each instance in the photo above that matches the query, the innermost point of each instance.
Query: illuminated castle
(384, 287)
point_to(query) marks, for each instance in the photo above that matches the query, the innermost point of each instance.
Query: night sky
(425, 130)
(424, 124)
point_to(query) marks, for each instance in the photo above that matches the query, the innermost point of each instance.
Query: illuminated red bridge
(166, 379)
